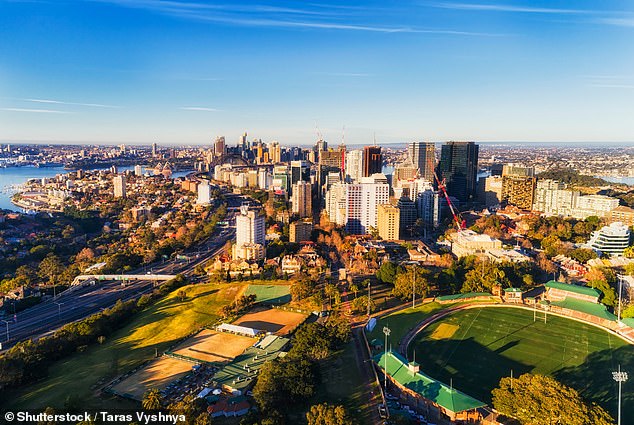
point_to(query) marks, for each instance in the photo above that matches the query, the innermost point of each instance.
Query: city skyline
(170, 72)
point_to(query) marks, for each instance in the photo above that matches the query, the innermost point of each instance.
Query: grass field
(156, 328)
(270, 293)
(212, 346)
(279, 322)
(158, 374)
(402, 321)
(487, 343)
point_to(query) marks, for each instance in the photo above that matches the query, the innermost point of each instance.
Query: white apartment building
(336, 203)
(250, 230)
(301, 199)
(354, 166)
(362, 201)
(204, 193)
(599, 205)
(119, 186)
(611, 240)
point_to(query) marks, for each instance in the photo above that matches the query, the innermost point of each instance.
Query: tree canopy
(542, 400)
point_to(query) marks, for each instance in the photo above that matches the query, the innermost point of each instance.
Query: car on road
(382, 411)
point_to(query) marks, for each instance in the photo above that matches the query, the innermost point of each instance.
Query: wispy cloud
(346, 74)
(59, 102)
(37, 111)
(510, 8)
(613, 86)
(312, 16)
(198, 108)
(619, 22)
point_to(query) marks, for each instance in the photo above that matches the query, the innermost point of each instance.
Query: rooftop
(587, 307)
(582, 290)
(443, 395)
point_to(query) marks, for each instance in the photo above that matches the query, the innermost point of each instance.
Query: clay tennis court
(212, 346)
(276, 321)
(158, 374)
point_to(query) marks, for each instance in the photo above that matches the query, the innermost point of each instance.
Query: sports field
(271, 294)
(212, 346)
(279, 322)
(477, 347)
(158, 374)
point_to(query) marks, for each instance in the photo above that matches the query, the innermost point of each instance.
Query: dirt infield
(212, 346)
(278, 322)
(444, 331)
(158, 374)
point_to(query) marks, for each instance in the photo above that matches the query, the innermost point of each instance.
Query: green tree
(388, 271)
(404, 284)
(609, 297)
(152, 400)
(327, 414)
(51, 268)
(360, 304)
(541, 400)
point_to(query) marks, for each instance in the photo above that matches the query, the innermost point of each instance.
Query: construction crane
(441, 185)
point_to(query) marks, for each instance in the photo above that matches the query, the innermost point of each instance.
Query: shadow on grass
(593, 379)
(473, 368)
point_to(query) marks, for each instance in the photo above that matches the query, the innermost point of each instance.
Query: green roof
(586, 307)
(443, 395)
(583, 290)
(463, 296)
(241, 371)
(512, 290)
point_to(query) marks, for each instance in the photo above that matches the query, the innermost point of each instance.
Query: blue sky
(184, 72)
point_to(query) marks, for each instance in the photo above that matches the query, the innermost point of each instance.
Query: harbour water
(11, 178)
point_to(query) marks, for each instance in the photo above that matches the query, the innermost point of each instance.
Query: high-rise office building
(388, 222)
(408, 212)
(459, 167)
(119, 186)
(219, 146)
(372, 160)
(354, 166)
(300, 171)
(275, 152)
(302, 199)
(423, 156)
(138, 170)
(154, 149)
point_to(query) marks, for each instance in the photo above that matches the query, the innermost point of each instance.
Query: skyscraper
(154, 149)
(354, 166)
(119, 186)
(250, 234)
(518, 186)
(302, 199)
(362, 201)
(423, 156)
(372, 160)
(459, 167)
(300, 171)
(219, 146)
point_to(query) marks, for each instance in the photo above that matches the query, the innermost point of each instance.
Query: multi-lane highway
(81, 301)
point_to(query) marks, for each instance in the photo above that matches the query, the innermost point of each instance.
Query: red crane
(441, 185)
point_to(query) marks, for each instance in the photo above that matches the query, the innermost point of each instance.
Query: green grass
(490, 342)
(270, 292)
(402, 321)
(156, 328)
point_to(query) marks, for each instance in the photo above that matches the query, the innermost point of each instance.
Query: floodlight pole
(369, 298)
(414, 288)
(619, 377)
(620, 286)
(386, 331)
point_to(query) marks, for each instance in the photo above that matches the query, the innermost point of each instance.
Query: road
(82, 301)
